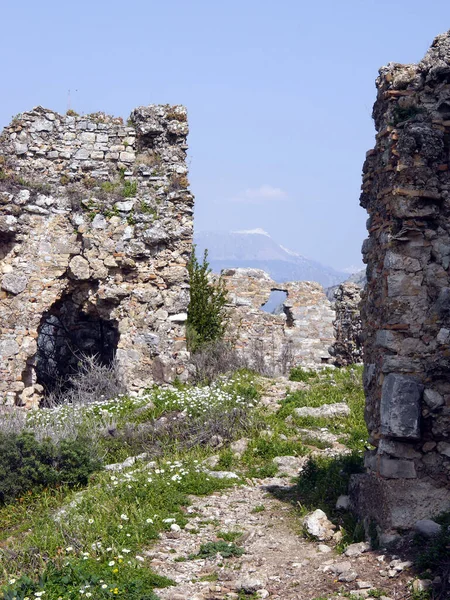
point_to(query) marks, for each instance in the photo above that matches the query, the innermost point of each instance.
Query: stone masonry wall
(406, 307)
(97, 213)
(347, 348)
(301, 335)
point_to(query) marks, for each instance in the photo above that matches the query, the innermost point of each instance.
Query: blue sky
(279, 95)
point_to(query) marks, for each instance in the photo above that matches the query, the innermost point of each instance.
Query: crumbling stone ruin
(95, 233)
(347, 348)
(406, 308)
(305, 331)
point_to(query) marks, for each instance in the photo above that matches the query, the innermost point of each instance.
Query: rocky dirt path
(277, 562)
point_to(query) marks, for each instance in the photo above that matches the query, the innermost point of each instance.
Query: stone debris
(357, 549)
(339, 409)
(343, 503)
(319, 526)
(427, 528)
(290, 465)
(277, 562)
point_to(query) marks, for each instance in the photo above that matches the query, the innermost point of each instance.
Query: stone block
(400, 406)
(14, 283)
(396, 503)
(79, 268)
(433, 399)
(392, 468)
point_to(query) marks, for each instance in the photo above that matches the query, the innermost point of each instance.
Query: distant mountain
(255, 248)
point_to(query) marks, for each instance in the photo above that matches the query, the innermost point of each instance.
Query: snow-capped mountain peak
(255, 248)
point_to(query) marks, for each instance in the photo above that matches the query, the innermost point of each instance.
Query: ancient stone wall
(406, 307)
(95, 232)
(300, 335)
(347, 348)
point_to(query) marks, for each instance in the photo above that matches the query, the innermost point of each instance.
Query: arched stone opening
(68, 331)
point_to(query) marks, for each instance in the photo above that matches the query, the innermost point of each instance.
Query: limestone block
(400, 406)
(79, 268)
(398, 449)
(8, 347)
(41, 125)
(433, 399)
(8, 224)
(427, 527)
(155, 235)
(20, 148)
(396, 469)
(82, 154)
(125, 206)
(15, 283)
(338, 409)
(99, 222)
(318, 525)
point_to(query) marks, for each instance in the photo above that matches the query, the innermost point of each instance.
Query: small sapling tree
(207, 316)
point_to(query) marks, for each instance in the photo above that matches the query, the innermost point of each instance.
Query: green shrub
(225, 549)
(129, 189)
(324, 479)
(401, 113)
(206, 320)
(299, 374)
(96, 579)
(26, 463)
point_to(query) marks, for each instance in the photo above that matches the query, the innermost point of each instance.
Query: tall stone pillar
(406, 305)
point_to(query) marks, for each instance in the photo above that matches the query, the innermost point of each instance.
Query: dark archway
(66, 333)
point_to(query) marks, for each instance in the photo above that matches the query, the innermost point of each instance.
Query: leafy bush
(206, 320)
(26, 463)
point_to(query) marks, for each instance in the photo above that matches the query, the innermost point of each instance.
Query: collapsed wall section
(406, 307)
(299, 333)
(96, 224)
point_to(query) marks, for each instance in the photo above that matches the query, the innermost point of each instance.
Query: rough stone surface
(427, 527)
(347, 348)
(300, 335)
(98, 212)
(318, 525)
(339, 409)
(406, 303)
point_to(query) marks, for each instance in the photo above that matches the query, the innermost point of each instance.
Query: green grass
(121, 514)
(211, 549)
(229, 536)
(129, 189)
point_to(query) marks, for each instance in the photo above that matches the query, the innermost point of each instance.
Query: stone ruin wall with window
(406, 306)
(307, 331)
(96, 226)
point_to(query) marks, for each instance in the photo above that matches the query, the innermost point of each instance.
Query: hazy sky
(279, 95)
